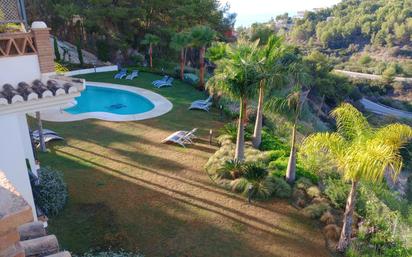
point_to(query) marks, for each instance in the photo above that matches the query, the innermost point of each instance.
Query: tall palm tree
(237, 75)
(151, 40)
(360, 153)
(180, 42)
(274, 71)
(201, 37)
(290, 107)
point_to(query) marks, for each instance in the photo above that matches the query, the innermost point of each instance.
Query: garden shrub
(303, 183)
(226, 153)
(316, 210)
(282, 188)
(337, 191)
(383, 231)
(51, 192)
(255, 176)
(272, 142)
(313, 192)
(279, 167)
(230, 129)
(275, 154)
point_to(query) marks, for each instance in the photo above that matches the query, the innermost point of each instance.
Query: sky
(250, 11)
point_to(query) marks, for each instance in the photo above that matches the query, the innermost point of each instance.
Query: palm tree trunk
(240, 140)
(257, 134)
(202, 67)
(346, 233)
(182, 63)
(150, 55)
(41, 137)
(291, 169)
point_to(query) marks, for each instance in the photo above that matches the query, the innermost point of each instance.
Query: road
(370, 76)
(384, 110)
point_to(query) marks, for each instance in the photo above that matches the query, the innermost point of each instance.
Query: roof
(37, 89)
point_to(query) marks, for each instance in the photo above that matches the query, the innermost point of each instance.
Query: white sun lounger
(47, 138)
(45, 132)
(181, 137)
(200, 106)
(167, 83)
(163, 80)
(206, 101)
(121, 74)
(134, 74)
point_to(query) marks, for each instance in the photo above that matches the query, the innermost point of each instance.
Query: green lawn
(127, 190)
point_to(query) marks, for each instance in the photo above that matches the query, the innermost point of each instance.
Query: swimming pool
(111, 102)
(101, 99)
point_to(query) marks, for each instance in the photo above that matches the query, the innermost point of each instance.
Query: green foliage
(313, 192)
(254, 176)
(103, 50)
(230, 129)
(272, 142)
(52, 191)
(121, 23)
(281, 188)
(278, 168)
(362, 22)
(231, 169)
(201, 36)
(337, 191)
(150, 39)
(79, 52)
(384, 230)
(316, 210)
(56, 50)
(365, 59)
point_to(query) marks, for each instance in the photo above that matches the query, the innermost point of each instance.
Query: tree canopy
(378, 22)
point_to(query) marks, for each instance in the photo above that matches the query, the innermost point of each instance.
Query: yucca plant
(231, 169)
(361, 153)
(255, 176)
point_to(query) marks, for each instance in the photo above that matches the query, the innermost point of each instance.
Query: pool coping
(161, 107)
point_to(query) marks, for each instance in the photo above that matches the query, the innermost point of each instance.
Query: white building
(27, 84)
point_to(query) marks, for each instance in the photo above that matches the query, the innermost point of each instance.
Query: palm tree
(179, 42)
(151, 40)
(274, 70)
(290, 107)
(201, 37)
(237, 75)
(360, 153)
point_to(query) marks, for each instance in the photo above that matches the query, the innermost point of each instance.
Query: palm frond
(332, 143)
(350, 122)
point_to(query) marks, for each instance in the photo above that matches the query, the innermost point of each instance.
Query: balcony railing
(12, 11)
(15, 44)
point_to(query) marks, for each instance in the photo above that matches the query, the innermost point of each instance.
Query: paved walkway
(384, 110)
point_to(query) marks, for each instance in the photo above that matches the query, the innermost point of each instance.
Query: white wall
(12, 157)
(19, 68)
(25, 134)
(92, 70)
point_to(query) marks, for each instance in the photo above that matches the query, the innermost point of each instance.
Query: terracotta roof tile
(37, 89)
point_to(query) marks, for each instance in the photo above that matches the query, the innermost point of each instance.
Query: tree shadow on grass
(215, 208)
(142, 219)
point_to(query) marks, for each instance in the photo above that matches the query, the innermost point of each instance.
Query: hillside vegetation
(366, 36)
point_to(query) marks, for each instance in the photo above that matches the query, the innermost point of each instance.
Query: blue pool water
(101, 99)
